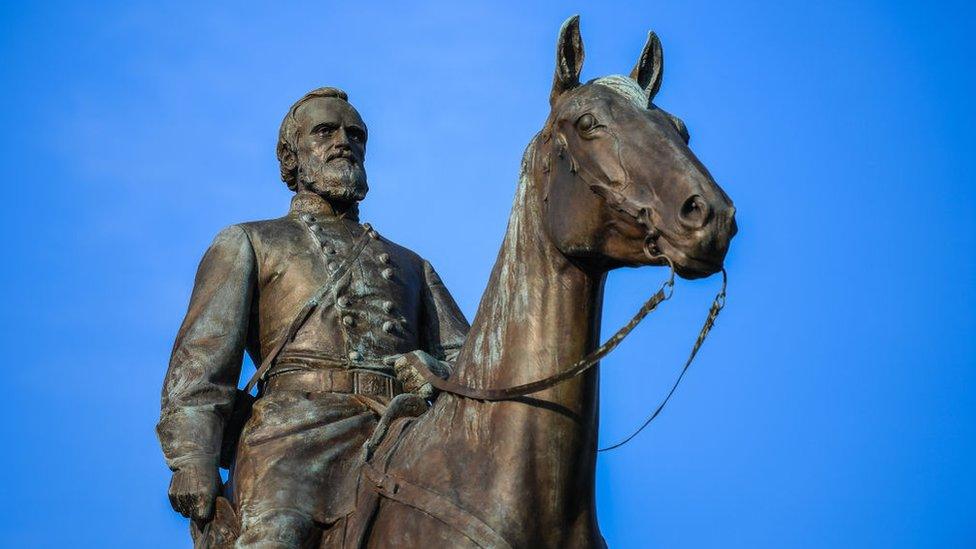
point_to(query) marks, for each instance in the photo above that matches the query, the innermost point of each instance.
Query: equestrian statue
(381, 419)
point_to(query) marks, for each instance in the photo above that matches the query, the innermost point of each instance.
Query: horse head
(623, 188)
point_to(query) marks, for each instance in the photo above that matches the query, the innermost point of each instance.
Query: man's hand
(194, 489)
(407, 369)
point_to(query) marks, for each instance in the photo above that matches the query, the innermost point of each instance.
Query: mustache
(341, 153)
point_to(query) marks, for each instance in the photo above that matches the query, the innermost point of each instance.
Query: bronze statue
(325, 376)
(505, 457)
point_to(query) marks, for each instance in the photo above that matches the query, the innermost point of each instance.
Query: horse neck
(540, 311)
(539, 314)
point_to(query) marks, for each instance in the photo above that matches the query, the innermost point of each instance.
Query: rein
(717, 304)
(592, 359)
(578, 368)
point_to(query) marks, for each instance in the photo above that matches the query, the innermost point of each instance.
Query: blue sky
(833, 405)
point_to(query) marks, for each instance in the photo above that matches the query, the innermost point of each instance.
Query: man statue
(338, 317)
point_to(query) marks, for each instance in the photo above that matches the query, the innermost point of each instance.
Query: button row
(387, 306)
(349, 321)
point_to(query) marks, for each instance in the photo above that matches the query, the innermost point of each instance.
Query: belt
(334, 380)
(316, 360)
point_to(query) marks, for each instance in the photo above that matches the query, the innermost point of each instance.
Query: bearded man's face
(331, 149)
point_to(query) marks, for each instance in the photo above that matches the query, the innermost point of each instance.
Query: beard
(337, 179)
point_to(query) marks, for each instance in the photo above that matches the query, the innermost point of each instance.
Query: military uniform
(294, 468)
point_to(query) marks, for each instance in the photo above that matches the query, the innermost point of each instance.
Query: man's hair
(288, 138)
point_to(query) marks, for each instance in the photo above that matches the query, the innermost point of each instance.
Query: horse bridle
(593, 358)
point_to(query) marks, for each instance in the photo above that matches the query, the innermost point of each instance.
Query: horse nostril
(694, 212)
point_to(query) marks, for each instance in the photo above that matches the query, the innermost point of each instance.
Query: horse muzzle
(698, 246)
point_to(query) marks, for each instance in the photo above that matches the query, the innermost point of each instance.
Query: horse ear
(650, 67)
(569, 59)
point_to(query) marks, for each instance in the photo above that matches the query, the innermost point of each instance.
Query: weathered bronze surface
(608, 182)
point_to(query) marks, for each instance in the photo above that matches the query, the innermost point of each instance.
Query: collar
(311, 203)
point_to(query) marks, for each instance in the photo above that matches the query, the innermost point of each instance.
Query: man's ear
(287, 164)
(569, 59)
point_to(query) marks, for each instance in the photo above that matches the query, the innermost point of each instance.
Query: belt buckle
(370, 384)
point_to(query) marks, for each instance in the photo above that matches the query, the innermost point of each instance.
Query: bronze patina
(608, 182)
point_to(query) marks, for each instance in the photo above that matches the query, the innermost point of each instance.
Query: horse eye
(586, 122)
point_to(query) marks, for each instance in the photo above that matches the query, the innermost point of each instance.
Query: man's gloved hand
(407, 369)
(194, 489)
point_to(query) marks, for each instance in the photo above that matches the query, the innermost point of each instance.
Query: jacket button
(384, 258)
(355, 355)
(389, 327)
(343, 301)
(348, 320)
(387, 307)
(387, 273)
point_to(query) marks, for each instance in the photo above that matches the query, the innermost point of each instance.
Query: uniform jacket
(251, 283)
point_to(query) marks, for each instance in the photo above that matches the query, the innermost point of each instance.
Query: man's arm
(204, 369)
(443, 329)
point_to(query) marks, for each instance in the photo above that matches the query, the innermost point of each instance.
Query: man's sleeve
(205, 367)
(444, 327)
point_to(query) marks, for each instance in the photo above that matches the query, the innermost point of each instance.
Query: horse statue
(608, 182)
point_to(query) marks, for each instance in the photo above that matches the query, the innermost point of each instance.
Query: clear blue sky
(834, 405)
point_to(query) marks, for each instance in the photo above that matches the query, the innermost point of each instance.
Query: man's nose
(342, 138)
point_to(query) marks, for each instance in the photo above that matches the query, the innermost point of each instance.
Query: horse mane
(505, 300)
